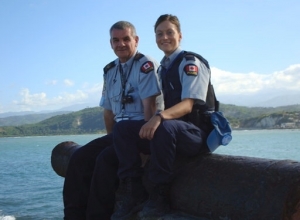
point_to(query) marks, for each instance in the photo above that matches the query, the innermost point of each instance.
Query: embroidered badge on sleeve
(147, 67)
(104, 83)
(104, 86)
(191, 70)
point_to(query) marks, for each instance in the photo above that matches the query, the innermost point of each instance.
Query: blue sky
(52, 52)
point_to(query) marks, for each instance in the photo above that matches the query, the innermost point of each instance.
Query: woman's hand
(182, 108)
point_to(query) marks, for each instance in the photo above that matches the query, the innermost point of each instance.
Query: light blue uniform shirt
(142, 82)
(193, 86)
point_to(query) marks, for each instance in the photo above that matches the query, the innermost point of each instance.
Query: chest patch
(147, 67)
(191, 70)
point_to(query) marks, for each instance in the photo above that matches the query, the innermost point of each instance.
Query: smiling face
(168, 37)
(124, 43)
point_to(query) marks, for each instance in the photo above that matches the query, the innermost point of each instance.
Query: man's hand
(109, 120)
(147, 131)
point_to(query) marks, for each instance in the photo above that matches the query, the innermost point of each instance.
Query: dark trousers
(103, 186)
(96, 156)
(171, 137)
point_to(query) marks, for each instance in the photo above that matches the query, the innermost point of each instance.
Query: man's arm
(109, 120)
(149, 110)
(149, 107)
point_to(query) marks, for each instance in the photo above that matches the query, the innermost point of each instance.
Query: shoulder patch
(147, 67)
(109, 66)
(191, 70)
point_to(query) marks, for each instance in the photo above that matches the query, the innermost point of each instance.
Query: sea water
(31, 190)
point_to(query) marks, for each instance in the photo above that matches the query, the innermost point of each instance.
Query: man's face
(123, 43)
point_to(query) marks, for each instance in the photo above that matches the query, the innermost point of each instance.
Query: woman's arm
(182, 108)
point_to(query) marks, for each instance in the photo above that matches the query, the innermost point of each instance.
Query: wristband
(160, 115)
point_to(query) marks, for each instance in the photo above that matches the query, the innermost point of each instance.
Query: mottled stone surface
(223, 187)
(231, 187)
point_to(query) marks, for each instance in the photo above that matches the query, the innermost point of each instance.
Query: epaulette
(109, 66)
(191, 56)
(138, 56)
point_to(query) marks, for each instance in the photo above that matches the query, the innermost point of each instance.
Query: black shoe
(132, 200)
(158, 203)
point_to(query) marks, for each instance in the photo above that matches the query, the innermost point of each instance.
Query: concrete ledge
(223, 187)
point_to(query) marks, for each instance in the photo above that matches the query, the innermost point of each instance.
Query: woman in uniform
(181, 128)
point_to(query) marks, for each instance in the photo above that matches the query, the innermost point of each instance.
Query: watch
(160, 115)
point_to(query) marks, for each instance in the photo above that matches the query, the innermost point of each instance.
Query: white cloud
(31, 99)
(232, 83)
(65, 98)
(68, 82)
(248, 89)
(94, 89)
(288, 78)
(253, 89)
(248, 83)
(40, 101)
(51, 82)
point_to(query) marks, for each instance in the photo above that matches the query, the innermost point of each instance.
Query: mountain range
(263, 99)
(90, 120)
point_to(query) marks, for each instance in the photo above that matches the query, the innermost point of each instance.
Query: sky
(52, 52)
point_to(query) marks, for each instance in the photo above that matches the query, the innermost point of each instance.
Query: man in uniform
(131, 92)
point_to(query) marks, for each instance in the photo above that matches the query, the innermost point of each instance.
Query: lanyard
(124, 79)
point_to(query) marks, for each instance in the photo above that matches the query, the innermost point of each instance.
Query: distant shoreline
(101, 134)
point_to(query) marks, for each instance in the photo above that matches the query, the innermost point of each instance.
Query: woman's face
(167, 37)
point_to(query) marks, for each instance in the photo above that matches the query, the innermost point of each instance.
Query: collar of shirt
(128, 63)
(166, 61)
(124, 68)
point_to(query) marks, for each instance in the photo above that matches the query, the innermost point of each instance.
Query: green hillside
(86, 121)
(90, 120)
(28, 119)
(249, 117)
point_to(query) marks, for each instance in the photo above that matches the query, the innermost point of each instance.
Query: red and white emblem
(147, 67)
(191, 69)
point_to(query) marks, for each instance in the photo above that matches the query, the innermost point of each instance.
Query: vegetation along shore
(90, 120)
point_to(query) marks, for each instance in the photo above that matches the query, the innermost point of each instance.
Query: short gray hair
(122, 25)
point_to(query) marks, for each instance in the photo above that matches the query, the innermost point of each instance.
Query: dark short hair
(168, 17)
(122, 25)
